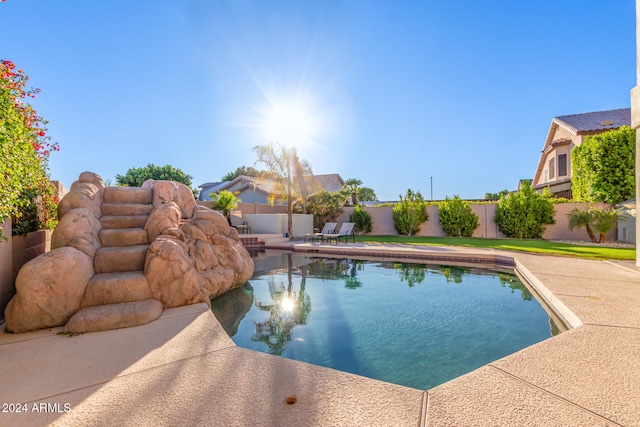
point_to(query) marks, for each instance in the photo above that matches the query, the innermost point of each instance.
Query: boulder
(78, 228)
(163, 217)
(82, 195)
(172, 277)
(49, 289)
(171, 191)
(92, 178)
(114, 316)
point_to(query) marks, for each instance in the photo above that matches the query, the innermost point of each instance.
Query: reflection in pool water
(411, 324)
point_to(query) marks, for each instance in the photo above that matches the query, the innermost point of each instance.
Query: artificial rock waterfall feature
(122, 254)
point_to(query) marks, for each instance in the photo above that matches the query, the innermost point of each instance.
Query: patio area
(184, 370)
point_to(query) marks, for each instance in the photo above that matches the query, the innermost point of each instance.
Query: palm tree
(579, 218)
(604, 220)
(352, 187)
(225, 201)
(596, 219)
(289, 172)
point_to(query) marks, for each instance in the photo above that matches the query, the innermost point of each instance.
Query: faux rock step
(115, 259)
(123, 236)
(125, 209)
(114, 316)
(124, 221)
(112, 288)
(127, 195)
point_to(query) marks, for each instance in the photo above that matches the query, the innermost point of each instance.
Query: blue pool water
(411, 324)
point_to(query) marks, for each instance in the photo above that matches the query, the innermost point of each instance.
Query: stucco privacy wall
(277, 224)
(383, 222)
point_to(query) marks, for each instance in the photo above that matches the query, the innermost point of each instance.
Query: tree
(25, 192)
(225, 201)
(135, 177)
(243, 171)
(409, 213)
(496, 196)
(289, 172)
(325, 207)
(593, 218)
(351, 189)
(524, 214)
(366, 194)
(581, 218)
(604, 167)
(456, 217)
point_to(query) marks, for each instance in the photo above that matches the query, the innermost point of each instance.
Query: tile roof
(596, 121)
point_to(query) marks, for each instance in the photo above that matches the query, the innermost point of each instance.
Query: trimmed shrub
(456, 217)
(409, 213)
(361, 219)
(524, 214)
(325, 207)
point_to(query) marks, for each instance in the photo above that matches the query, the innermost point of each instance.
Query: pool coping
(594, 389)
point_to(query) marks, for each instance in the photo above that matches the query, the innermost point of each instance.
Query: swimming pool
(417, 325)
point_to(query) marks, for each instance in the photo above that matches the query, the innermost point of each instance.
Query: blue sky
(392, 93)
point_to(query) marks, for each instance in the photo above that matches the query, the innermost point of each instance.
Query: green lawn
(522, 245)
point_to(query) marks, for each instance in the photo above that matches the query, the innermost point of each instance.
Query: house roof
(328, 179)
(596, 121)
(585, 123)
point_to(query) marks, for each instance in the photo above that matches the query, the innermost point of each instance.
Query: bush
(604, 167)
(409, 213)
(325, 207)
(456, 217)
(361, 219)
(25, 192)
(524, 214)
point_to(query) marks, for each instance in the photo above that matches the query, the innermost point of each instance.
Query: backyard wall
(277, 224)
(383, 222)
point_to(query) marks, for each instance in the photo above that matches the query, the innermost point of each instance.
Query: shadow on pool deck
(184, 370)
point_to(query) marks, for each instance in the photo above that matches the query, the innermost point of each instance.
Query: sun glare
(287, 304)
(289, 125)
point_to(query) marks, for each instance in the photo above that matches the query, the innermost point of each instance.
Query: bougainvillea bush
(26, 194)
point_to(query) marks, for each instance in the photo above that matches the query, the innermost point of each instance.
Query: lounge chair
(346, 231)
(329, 228)
(238, 223)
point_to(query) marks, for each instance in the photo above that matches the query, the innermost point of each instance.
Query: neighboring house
(258, 190)
(627, 221)
(566, 133)
(523, 182)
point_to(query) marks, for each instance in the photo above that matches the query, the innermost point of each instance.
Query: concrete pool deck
(184, 370)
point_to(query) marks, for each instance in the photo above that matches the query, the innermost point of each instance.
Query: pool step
(120, 258)
(111, 288)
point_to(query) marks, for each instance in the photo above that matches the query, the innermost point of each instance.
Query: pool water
(416, 325)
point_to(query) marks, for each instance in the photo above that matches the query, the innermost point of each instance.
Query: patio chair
(346, 231)
(329, 228)
(238, 223)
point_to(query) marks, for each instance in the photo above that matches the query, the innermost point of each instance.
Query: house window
(552, 168)
(562, 165)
